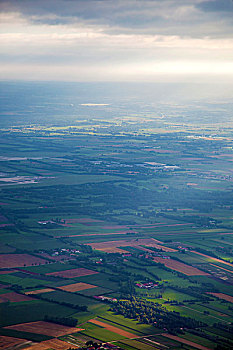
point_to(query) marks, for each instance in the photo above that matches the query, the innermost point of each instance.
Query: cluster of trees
(127, 196)
(93, 345)
(65, 321)
(223, 343)
(152, 313)
(121, 197)
(225, 327)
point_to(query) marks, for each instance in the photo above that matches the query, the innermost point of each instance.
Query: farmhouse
(101, 297)
(147, 285)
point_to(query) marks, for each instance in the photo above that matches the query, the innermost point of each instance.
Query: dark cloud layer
(155, 16)
(101, 39)
(217, 6)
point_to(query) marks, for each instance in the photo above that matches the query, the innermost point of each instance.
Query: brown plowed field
(222, 296)
(113, 250)
(184, 341)
(113, 329)
(38, 291)
(73, 273)
(136, 243)
(76, 287)
(14, 297)
(54, 344)
(19, 260)
(46, 328)
(180, 267)
(10, 342)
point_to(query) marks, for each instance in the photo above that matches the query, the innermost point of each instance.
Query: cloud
(115, 13)
(112, 39)
(124, 16)
(217, 6)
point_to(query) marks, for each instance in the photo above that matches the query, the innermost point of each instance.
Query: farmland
(54, 344)
(72, 273)
(113, 328)
(46, 328)
(13, 260)
(76, 287)
(180, 267)
(223, 296)
(38, 291)
(122, 224)
(135, 243)
(6, 342)
(195, 345)
(13, 297)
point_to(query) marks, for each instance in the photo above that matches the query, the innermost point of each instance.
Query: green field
(18, 312)
(122, 179)
(130, 325)
(100, 333)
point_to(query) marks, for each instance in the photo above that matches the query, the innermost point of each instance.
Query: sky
(116, 40)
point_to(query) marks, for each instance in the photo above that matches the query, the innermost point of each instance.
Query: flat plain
(120, 224)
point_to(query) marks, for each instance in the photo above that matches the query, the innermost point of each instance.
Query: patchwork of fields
(116, 231)
(114, 246)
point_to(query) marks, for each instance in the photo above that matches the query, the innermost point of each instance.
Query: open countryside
(116, 230)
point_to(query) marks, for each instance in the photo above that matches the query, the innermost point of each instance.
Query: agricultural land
(115, 228)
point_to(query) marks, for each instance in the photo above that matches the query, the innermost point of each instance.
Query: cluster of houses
(180, 246)
(65, 251)
(90, 345)
(103, 298)
(146, 285)
(160, 255)
(52, 222)
(46, 222)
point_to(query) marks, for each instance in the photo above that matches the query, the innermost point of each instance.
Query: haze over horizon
(117, 40)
